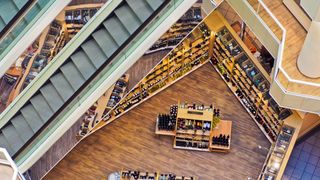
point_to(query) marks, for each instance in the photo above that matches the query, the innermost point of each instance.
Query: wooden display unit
(198, 128)
(245, 76)
(137, 175)
(104, 104)
(176, 33)
(222, 127)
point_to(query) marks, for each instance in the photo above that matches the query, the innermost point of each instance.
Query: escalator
(21, 22)
(94, 54)
(11, 10)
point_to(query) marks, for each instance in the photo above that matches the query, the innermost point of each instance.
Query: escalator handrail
(14, 21)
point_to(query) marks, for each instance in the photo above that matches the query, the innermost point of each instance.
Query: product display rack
(118, 92)
(195, 127)
(137, 175)
(249, 84)
(104, 104)
(178, 31)
(191, 54)
(277, 153)
(76, 18)
(245, 76)
(174, 35)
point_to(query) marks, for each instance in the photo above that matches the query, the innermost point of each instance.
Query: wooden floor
(130, 142)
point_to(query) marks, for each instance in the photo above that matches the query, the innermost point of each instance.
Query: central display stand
(195, 127)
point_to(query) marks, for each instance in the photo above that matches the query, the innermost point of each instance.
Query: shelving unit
(178, 31)
(76, 18)
(117, 93)
(189, 55)
(245, 78)
(106, 102)
(137, 175)
(196, 127)
(54, 41)
(277, 153)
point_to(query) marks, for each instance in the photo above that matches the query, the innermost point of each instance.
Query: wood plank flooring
(130, 142)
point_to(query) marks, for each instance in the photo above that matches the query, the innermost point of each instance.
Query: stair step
(83, 63)
(20, 3)
(128, 18)
(94, 52)
(12, 136)
(40, 104)
(52, 97)
(17, 30)
(2, 24)
(116, 30)
(141, 9)
(105, 41)
(32, 117)
(72, 74)
(154, 4)
(5, 144)
(8, 10)
(42, 4)
(22, 127)
(62, 86)
(32, 13)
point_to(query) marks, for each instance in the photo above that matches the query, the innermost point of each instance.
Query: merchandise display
(104, 105)
(277, 153)
(76, 19)
(195, 127)
(178, 31)
(185, 58)
(137, 175)
(247, 82)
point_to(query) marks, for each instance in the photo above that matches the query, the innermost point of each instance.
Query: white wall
(311, 7)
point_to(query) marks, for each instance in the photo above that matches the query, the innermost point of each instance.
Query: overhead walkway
(21, 22)
(99, 54)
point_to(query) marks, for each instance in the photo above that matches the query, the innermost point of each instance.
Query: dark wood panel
(130, 142)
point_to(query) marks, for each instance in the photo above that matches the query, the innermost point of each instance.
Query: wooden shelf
(169, 70)
(142, 175)
(244, 76)
(101, 106)
(187, 133)
(223, 127)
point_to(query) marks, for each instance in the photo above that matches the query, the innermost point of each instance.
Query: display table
(195, 127)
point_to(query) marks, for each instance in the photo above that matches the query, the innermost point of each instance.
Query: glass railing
(33, 150)
(304, 89)
(273, 26)
(20, 28)
(267, 17)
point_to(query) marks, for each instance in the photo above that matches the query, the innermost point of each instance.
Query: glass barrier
(111, 68)
(297, 87)
(21, 27)
(268, 19)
